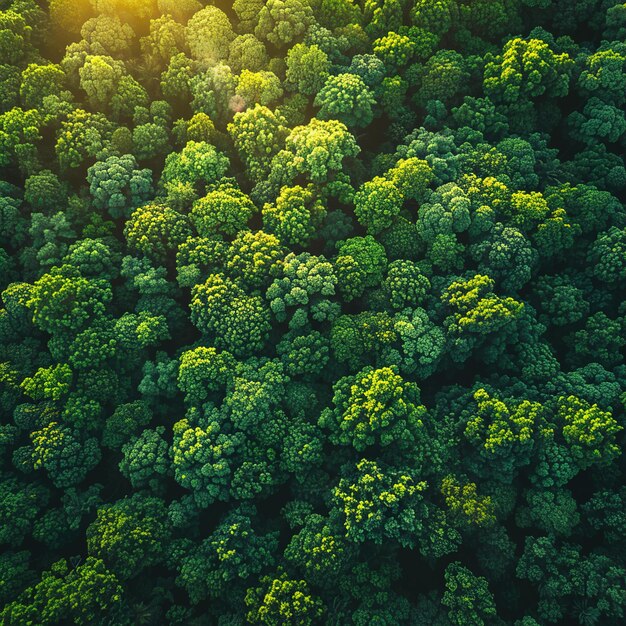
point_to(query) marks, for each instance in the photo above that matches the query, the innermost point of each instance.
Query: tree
(129, 535)
(593, 580)
(504, 432)
(261, 87)
(423, 343)
(50, 236)
(301, 297)
(442, 78)
(63, 16)
(165, 40)
(303, 354)
(394, 50)
(379, 504)
(247, 52)
(63, 455)
(281, 600)
(202, 455)
(258, 134)
(305, 283)
(361, 339)
(527, 69)
(316, 150)
(411, 176)
(176, 78)
(99, 78)
(145, 459)
(237, 321)
(231, 555)
(82, 137)
(588, 431)
(49, 382)
(209, 34)
(117, 184)
(347, 98)
(375, 407)
(506, 248)
(82, 595)
(44, 191)
(204, 371)
(16, 35)
(10, 78)
(360, 265)
(282, 21)
(199, 163)
(40, 82)
(125, 421)
(156, 231)
(446, 211)
(598, 122)
(467, 596)
(296, 216)
(307, 69)
(20, 504)
(598, 167)
(213, 92)
(254, 258)
(603, 74)
(437, 17)
(405, 284)
(93, 258)
(63, 300)
(382, 17)
(560, 302)
(107, 35)
(149, 140)
(19, 133)
(376, 204)
(476, 312)
(224, 210)
(197, 257)
(599, 341)
(140, 10)
(605, 255)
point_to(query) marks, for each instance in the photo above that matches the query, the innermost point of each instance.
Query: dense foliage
(312, 312)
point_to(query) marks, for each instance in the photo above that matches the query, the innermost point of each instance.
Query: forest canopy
(310, 312)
